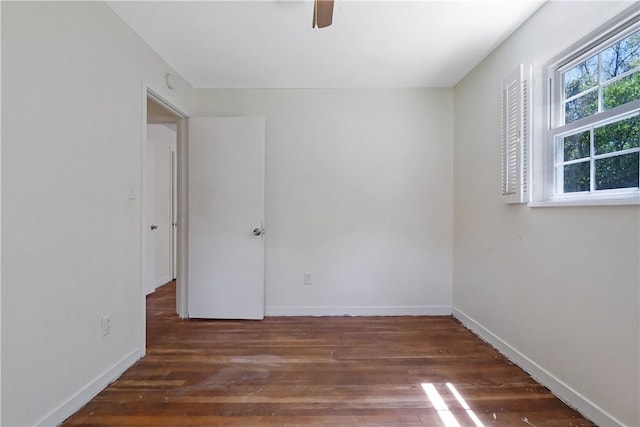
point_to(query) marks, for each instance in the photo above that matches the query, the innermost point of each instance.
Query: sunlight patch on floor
(445, 414)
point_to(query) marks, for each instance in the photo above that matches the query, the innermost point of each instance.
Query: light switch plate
(133, 192)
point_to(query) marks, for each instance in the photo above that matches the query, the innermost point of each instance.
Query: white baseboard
(426, 310)
(563, 391)
(88, 392)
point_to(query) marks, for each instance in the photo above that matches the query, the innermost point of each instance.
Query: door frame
(181, 120)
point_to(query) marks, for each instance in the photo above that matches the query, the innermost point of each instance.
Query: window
(594, 137)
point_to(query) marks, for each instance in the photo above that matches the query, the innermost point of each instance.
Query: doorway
(163, 147)
(240, 139)
(160, 189)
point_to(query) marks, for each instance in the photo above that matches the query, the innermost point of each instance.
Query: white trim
(182, 211)
(159, 99)
(0, 241)
(411, 310)
(88, 392)
(142, 334)
(596, 120)
(562, 390)
(618, 200)
(181, 278)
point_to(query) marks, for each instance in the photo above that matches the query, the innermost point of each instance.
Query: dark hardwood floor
(319, 371)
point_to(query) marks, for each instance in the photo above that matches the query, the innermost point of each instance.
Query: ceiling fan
(322, 13)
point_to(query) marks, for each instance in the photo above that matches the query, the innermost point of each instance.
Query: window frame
(554, 102)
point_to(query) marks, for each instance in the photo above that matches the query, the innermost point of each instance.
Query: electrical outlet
(307, 278)
(106, 324)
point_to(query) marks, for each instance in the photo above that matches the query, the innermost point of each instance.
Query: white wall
(557, 288)
(358, 192)
(73, 102)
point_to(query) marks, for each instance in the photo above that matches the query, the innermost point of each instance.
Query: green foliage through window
(603, 81)
(617, 136)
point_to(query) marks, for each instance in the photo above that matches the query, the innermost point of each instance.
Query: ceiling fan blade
(322, 13)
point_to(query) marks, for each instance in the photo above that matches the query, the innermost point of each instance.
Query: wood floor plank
(319, 371)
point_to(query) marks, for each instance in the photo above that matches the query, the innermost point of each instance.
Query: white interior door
(166, 139)
(174, 215)
(157, 204)
(226, 216)
(148, 214)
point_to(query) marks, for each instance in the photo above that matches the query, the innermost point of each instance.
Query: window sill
(627, 200)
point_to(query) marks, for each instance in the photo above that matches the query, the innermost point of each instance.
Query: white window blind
(516, 135)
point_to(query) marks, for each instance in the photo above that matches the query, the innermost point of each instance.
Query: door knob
(154, 227)
(258, 231)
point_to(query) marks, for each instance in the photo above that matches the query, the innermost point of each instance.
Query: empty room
(320, 213)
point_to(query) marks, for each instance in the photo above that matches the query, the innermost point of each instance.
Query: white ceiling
(270, 43)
